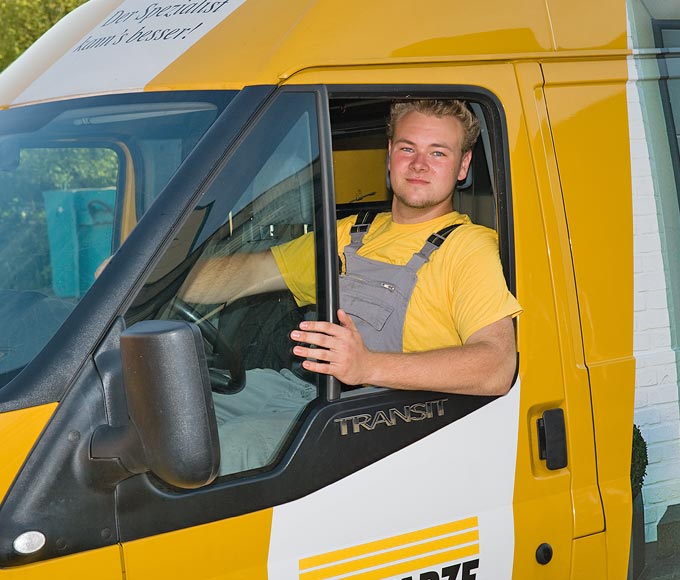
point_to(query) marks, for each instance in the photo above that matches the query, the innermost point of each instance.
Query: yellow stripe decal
(406, 567)
(395, 555)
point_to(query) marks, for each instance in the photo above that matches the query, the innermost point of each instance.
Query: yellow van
(161, 133)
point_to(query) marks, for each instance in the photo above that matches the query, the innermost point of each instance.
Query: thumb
(346, 320)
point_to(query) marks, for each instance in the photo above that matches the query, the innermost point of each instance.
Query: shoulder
(469, 248)
(469, 237)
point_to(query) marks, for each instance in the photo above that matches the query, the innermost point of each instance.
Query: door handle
(552, 439)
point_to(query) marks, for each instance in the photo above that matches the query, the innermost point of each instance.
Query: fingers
(320, 333)
(323, 354)
(317, 360)
(317, 367)
(312, 330)
(331, 349)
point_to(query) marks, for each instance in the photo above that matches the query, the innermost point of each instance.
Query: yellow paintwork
(102, 564)
(22, 428)
(265, 41)
(597, 191)
(587, 513)
(304, 33)
(194, 553)
(588, 560)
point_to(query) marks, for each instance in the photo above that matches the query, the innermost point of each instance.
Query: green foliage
(24, 247)
(63, 168)
(23, 234)
(638, 466)
(22, 22)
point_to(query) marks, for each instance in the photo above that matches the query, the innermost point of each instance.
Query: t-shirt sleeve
(479, 294)
(296, 263)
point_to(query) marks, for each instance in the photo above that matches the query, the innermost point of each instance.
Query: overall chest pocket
(369, 300)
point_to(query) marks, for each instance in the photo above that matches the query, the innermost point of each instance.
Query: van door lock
(552, 439)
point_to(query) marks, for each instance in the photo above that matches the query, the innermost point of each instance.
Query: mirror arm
(122, 448)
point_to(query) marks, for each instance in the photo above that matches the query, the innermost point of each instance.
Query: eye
(439, 153)
(406, 149)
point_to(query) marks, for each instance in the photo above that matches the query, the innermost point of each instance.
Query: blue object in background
(80, 231)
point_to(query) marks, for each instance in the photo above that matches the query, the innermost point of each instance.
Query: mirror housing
(173, 429)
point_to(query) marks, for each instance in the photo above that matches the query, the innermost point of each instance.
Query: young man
(414, 315)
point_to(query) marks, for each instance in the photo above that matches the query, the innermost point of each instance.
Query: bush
(23, 21)
(639, 461)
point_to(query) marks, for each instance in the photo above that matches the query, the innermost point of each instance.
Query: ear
(464, 166)
(388, 181)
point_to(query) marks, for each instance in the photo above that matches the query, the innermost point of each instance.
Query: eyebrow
(435, 145)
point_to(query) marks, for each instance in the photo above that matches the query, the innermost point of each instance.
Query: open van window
(75, 177)
(361, 175)
(269, 192)
(359, 129)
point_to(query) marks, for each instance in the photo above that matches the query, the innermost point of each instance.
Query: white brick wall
(657, 410)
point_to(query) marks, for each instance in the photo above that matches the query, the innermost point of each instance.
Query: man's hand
(484, 365)
(341, 350)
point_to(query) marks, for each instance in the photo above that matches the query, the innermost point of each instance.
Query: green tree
(22, 22)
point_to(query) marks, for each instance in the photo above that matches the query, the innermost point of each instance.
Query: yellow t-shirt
(460, 290)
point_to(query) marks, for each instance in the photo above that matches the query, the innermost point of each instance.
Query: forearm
(223, 279)
(477, 368)
(484, 365)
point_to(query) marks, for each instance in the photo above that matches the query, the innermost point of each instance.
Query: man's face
(425, 162)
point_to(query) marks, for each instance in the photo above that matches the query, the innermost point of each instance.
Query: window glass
(75, 176)
(263, 197)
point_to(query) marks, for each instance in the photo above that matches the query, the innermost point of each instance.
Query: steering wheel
(226, 370)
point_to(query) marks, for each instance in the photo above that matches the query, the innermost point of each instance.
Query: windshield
(75, 177)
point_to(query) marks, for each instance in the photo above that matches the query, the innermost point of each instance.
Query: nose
(419, 162)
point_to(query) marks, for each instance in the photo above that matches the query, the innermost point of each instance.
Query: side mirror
(173, 429)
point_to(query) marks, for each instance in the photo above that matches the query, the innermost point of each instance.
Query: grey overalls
(376, 294)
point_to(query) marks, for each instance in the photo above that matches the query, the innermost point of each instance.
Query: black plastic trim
(327, 259)
(147, 507)
(59, 492)
(552, 439)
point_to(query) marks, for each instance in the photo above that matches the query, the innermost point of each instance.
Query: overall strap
(357, 233)
(438, 238)
(432, 244)
(360, 227)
